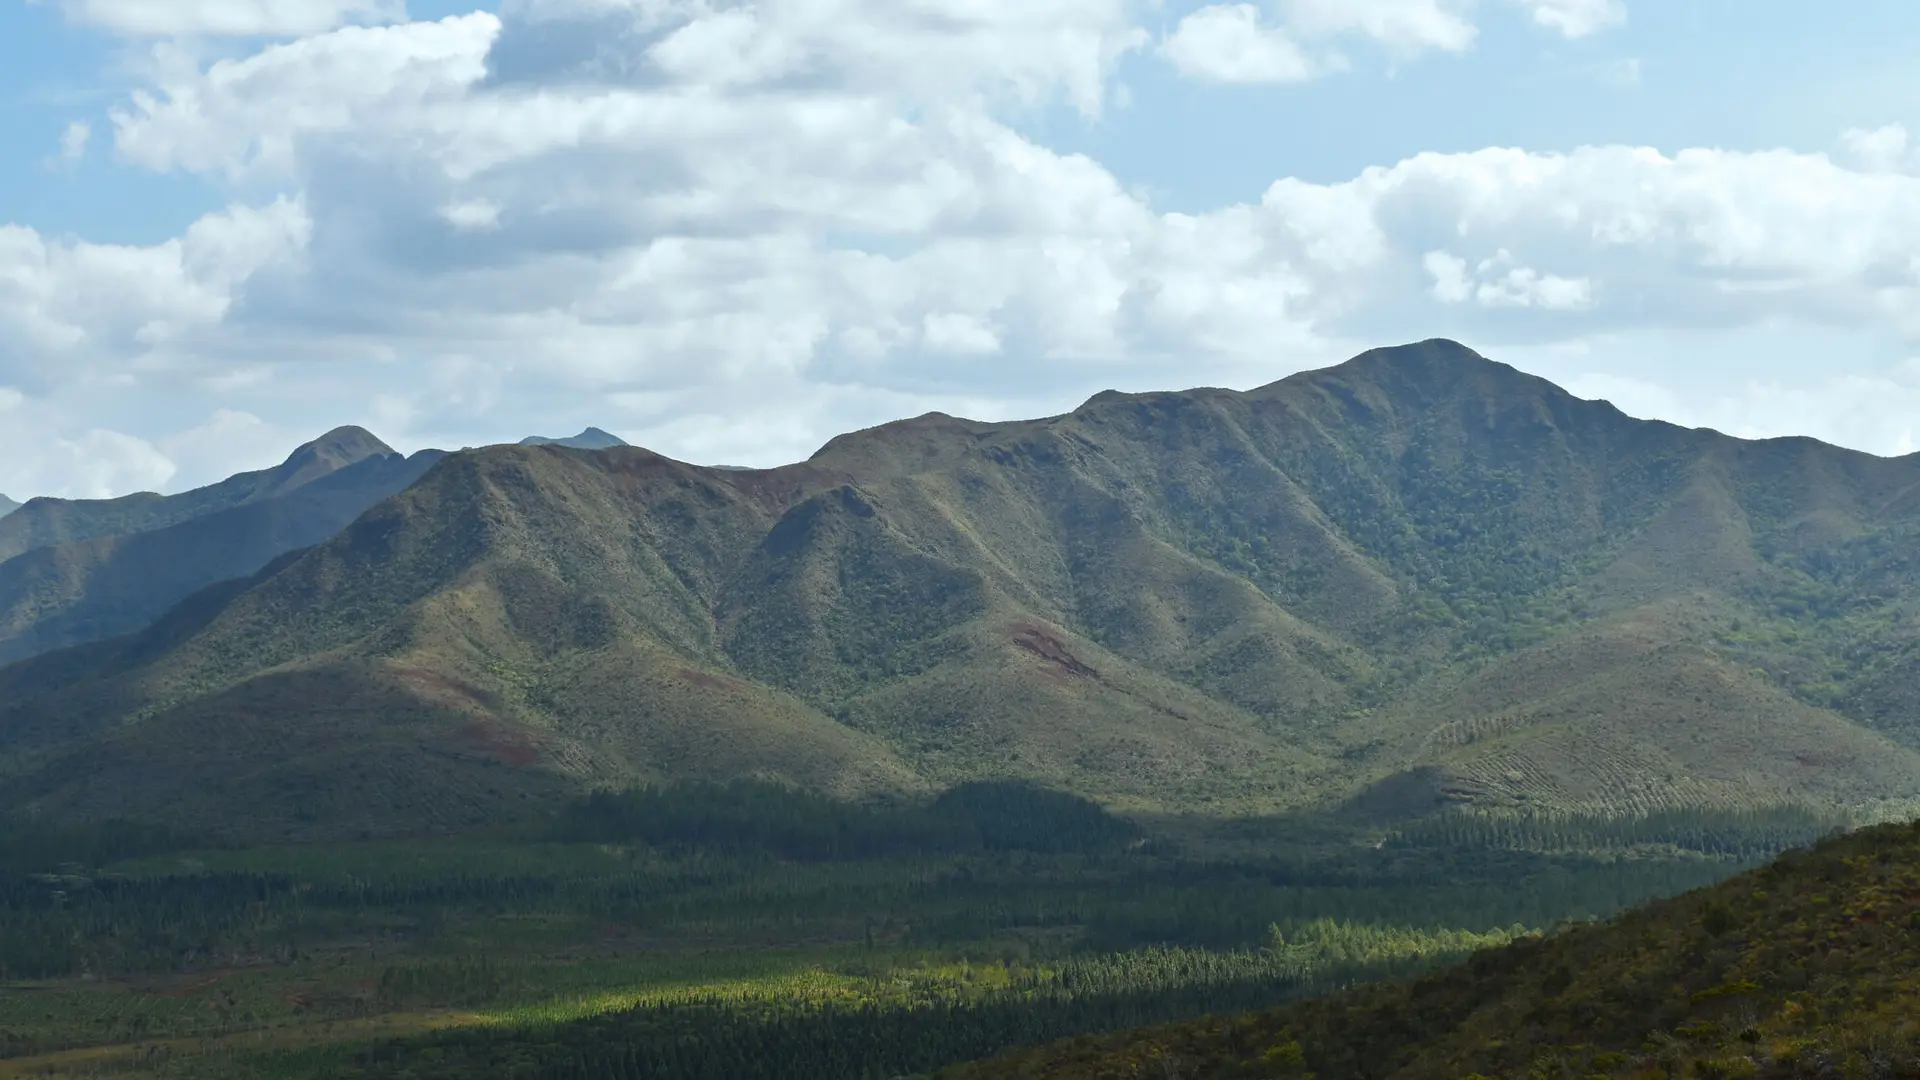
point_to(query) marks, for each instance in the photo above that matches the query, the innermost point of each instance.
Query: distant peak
(1420, 374)
(1433, 352)
(591, 439)
(7, 506)
(343, 446)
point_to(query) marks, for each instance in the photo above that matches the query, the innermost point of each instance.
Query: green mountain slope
(1803, 968)
(88, 590)
(45, 522)
(1416, 580)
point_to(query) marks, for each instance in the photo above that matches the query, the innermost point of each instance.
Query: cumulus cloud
(1404, 27)
(1881, 149)
(1576, 18)
(227, 18)
(60, 454)
(245, 117)
(1297, 40)
(729, 231)
(71, 308)
(1230, 43)
(1496, 282)
(1238, 43)
(1874, 410)
(73, 141)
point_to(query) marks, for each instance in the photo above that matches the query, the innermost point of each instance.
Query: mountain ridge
(87, 590)
(591, 438)
(46, 521)
(1206, 601)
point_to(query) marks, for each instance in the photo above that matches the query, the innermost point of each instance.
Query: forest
(753, 930)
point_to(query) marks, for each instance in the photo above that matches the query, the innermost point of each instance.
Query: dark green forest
(753, 930)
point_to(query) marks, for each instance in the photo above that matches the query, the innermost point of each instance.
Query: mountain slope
(1421, 578)
(1803, 968)
(590, 439)
(87, 590)
(45, 522)
(7, 506)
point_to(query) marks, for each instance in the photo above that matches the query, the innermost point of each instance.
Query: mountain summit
(7, 506)
(590, 439)
(1418, 580)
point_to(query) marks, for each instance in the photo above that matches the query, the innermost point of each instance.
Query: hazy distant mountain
(7, 506)
(591, 439)
(1415, 580)
(87, 590)
(44, 522)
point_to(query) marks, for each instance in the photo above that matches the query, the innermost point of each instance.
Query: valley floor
(756, 955)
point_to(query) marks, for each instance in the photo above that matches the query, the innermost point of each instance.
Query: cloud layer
(734, 229)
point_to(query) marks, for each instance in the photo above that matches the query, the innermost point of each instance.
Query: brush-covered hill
(89, 590)
(1804, 968)
(1417, 580)
(45, 522)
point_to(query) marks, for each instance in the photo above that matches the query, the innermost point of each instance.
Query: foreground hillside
(1802, 968)
(1415, 581)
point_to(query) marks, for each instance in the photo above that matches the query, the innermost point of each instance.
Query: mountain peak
(7, 506)
(343, 446)
(590, 439)
(1420, 375)
(903, 446)
(337, 449)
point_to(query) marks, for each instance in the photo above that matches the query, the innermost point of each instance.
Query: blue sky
(729, 231)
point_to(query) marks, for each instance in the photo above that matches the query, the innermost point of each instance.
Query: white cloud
(73, 141)
(226, 442)
(44, 453)
(1576, 18)
(227, 18)
(247, 116)
(1294, 40)
(1517, 286)
(1229, 43)
(472, 214)
(1882, 149)
(731, 231)
(1874, 409)
(70, 309)
(962, 335)
(1403, 27)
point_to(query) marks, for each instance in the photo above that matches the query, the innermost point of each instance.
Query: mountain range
(1415, 581)
(7, 506)
(114, 566)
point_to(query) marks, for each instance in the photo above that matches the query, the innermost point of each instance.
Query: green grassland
(754, 931)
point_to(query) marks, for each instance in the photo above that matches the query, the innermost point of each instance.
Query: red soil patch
(441, 689)
(1038, 641)
(507, 746)
(705, 680)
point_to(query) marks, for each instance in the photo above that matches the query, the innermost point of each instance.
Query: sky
(728, 231)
